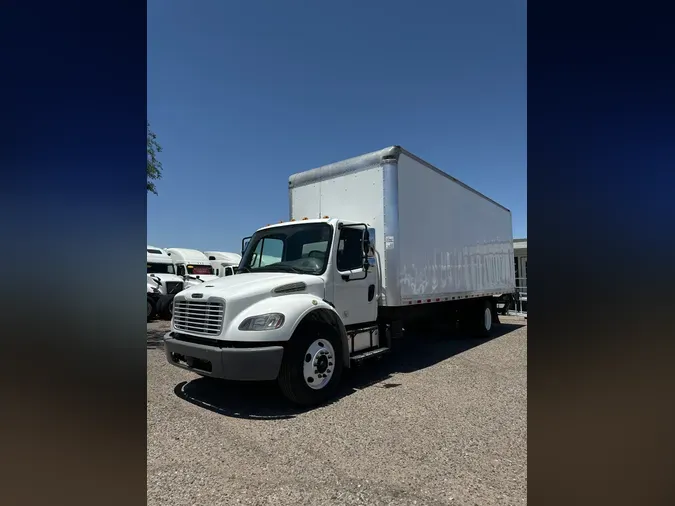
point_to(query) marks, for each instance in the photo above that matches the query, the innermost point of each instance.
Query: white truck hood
(192, 281)
(167, 277)
(254, 284)
(249, 292)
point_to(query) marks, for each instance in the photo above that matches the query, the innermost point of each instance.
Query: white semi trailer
(374, 244)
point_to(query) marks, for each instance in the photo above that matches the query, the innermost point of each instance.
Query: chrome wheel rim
(318, 364)
(488, 318)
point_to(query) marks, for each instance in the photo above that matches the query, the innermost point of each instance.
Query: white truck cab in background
(154, 295)
(375, 244)
(223, 262)
(162, 269)
(193, 265)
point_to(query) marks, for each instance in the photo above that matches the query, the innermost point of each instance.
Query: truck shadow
(263, 401)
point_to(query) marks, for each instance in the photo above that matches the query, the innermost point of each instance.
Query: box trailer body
(375, 246)
(437, 238)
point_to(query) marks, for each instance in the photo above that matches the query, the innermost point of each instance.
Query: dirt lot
(441, 421)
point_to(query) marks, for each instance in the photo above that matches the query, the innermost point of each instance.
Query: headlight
(269, 321)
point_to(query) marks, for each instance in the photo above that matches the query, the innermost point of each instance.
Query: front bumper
(242, 364)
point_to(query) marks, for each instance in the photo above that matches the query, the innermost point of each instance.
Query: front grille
(204, 318)
(174, 287)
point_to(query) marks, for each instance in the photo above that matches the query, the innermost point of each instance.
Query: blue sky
(243, 94)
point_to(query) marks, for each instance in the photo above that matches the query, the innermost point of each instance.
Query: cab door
(355, 286)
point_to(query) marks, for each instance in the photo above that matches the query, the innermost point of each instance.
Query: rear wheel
(312, 365)
(484, 319)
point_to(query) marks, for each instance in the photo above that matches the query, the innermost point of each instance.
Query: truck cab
(154, 295)
(314, 279)
(162, 271)
(162, 268)
(223, 263)
(331, 252)
(193, 265)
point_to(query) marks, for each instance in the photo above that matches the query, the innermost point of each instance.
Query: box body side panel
(453, 243)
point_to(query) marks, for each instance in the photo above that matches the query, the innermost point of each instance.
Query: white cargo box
(437, 238)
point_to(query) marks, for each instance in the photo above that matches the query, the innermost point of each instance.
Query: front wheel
(311, 367)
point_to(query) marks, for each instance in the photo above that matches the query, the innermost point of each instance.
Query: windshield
(199, 270)
(294, 248)
(155, 268)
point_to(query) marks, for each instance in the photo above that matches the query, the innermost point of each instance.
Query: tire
(483, 319)
(151, 309)
(168, 310)
(322, 345)
(165, 307)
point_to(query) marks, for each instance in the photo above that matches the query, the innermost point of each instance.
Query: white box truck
(374, 243)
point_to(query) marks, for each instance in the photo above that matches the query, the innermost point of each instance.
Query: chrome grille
(203, 318)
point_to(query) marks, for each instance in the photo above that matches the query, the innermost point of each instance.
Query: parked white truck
(163, 271)
(193, 265)
(374, 243)
(154, 295)
(223, 262)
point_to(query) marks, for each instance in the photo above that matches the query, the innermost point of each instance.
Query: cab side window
(350, 249)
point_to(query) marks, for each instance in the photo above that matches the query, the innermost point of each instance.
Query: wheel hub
(319, 363)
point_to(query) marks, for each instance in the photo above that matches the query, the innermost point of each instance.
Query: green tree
(154, 165)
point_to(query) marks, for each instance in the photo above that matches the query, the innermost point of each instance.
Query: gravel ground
(441, 421)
